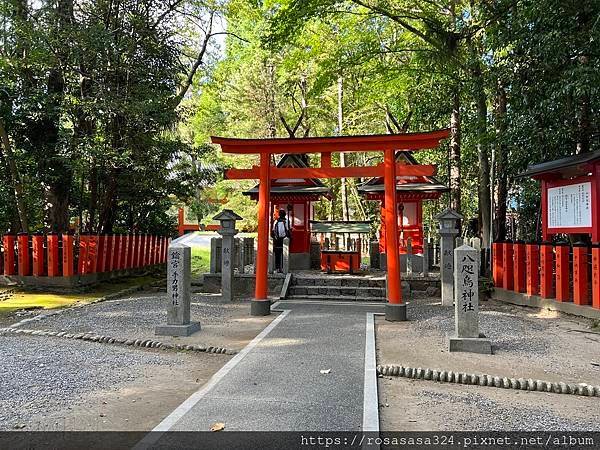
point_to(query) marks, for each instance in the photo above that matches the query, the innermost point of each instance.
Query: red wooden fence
(55, 255)
(555, 271)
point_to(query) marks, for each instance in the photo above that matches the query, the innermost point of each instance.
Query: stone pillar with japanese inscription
(228, 231)
(449, 228)
(178, 293)
(466, 336)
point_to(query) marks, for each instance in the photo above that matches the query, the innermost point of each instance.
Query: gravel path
(133, 317)
(40, 377)
(502, 415)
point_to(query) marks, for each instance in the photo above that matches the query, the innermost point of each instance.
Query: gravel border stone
(146, 343)
(443, 376)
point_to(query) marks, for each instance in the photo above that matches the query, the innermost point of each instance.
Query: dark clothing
(278, 250)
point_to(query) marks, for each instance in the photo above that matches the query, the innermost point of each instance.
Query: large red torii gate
(389, 170)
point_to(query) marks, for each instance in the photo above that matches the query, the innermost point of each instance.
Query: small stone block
(177, 330)
(470, 345)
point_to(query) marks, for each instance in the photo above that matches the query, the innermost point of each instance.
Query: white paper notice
(570, 206)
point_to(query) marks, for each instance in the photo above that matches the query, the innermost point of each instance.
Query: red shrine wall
(298, 213)
(410, 225)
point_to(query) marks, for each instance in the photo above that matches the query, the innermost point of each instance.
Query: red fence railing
(557, 271)
(56, 255)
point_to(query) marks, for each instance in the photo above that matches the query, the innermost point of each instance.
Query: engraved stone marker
(178, 293)
(466, 303)
(448, 230)
(228, 231)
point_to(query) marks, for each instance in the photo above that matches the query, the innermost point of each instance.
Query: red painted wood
(497, 263)
(394, 290)
(110, 249)
(83, 261)
(93, 254)
(412, 141)
(102, 253)
(519, 267)
(68, 260)
(118, 251)
(508, 264)
(37, 243)
(340, 262)
(53, 260)
(125, 251)
(264, 225)
(330, 172)
(532, 258)
(546, 270)
(562, 273)
(131, 251)
(596, 276)
(23, 258)
(9, 242)
(326, 159)
(580, 275)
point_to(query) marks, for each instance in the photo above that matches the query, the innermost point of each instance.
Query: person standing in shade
(279, 231)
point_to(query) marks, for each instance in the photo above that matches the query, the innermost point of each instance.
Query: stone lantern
(449, 228)
(227, 218)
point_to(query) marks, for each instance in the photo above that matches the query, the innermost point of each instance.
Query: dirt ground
(145, 392)
(527, 343)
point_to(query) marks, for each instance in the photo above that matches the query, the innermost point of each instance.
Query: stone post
(426, 258)
(179, 267)
(409, 256)
(213, 255)
(286, 255)
(448, 231)
(271, 259)
(374, 254)
(466, 304)
(228, 231)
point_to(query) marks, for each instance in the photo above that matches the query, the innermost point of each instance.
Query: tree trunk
(454, 178)
(15, 176)
(501, 165)
(344, 188)
(484, 163)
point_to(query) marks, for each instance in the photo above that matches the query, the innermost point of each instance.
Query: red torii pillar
(261, 306)
(395, 310)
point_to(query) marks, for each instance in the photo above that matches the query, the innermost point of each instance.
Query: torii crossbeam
(389, 170)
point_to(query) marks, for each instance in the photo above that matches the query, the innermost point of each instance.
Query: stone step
(336, 298)
(333, 281)
(338, 291)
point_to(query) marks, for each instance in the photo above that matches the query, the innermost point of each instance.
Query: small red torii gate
(389, 170)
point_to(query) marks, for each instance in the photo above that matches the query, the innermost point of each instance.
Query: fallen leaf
(325, 371)
(219, 426)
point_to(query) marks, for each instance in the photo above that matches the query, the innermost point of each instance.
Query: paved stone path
(278, 384)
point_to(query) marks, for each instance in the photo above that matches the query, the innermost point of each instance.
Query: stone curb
(142, 343)
(113, 296)
(445, 376)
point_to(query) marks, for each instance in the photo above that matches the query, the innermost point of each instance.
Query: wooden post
(118, 251)
(580, 274)
(24, 263)
(68, 262)
(562, 273)
(93, 254)
(82, 261)
(9, 254)
(125, 263)
(394, 312)
(519, 266)
(507, 264)
(52, 243)
(532, 257)
(497, 262)
(546, 270)
(262, 256)
(37, 243)
(110, 258)
(596, 275)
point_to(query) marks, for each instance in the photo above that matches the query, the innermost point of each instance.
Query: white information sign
(570, 206)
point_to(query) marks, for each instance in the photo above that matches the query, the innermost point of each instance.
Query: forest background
(107, 106)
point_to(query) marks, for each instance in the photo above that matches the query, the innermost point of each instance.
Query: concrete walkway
(277, 383)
